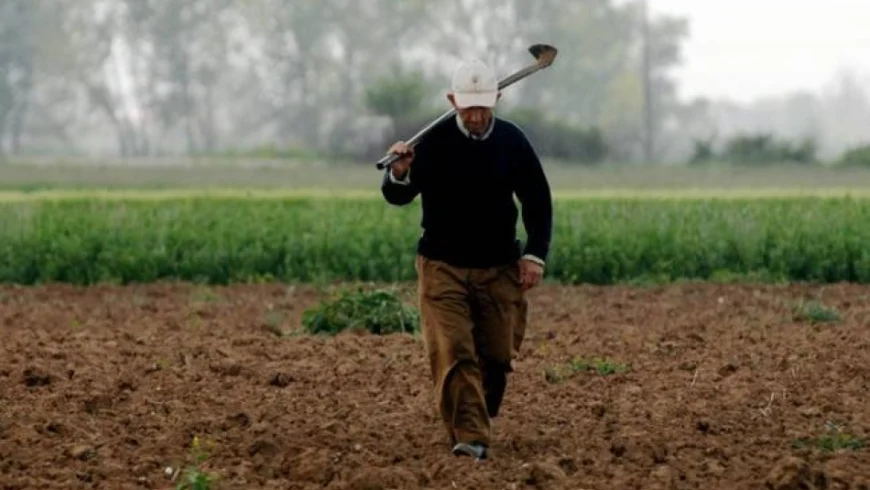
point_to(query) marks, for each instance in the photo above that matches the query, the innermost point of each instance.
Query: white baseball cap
(474, 84)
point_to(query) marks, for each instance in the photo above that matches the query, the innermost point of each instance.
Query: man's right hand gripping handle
(401, 166)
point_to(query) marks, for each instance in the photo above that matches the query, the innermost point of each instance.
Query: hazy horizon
(732, 52)
(341, 79)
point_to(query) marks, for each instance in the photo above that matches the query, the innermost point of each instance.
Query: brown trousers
(473, 323)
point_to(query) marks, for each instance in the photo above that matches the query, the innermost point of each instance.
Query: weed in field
(603, 367)
(578, 365)
(195, 480)
(380, 312)
(195, 477)
(834, 439)
(814, 312)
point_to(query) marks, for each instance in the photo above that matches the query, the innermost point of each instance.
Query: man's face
(475, 119)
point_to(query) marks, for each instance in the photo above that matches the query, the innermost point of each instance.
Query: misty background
(339, 80)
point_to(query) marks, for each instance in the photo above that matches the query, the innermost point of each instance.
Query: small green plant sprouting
(834, 439)
(601, 366)
(380, 312)
(814, 312)
(195, 478)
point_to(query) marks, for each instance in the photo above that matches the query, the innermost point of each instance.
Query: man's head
(474, 92)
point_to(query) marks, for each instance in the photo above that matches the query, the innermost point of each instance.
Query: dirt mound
(666, 387)
(795, 473)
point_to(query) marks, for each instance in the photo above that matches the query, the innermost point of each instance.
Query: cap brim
(484, 99)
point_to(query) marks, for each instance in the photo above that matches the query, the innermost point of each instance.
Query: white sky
(744, 49)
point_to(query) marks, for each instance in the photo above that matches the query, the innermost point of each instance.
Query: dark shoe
(473, 449)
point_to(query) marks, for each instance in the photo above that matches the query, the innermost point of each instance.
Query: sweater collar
(467, 133)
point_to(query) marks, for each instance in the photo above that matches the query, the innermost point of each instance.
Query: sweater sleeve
(399, 192)
(533, 192)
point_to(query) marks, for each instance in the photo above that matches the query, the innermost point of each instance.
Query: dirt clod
(793, 473)
(33, 377)
(544, 476)
(281, 380)
(391, 478)
(81, 452)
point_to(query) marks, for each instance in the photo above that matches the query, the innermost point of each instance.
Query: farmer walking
(473, 273)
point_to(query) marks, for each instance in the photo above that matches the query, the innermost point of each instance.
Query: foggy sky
(210, 77)
(744, 49)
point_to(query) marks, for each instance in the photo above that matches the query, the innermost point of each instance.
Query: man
(472, 272)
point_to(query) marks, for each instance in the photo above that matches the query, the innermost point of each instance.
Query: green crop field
(374, 194)
(224, 222)
(299, 239)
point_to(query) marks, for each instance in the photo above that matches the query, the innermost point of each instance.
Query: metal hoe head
(544, 55)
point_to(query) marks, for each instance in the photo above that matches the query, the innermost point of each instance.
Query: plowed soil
(714, 387)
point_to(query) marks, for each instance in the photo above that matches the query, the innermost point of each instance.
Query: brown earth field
(705, 386)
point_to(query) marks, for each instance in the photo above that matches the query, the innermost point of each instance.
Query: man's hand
(530, 273)
(401, 166)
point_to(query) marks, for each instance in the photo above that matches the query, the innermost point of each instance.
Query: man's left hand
(530, 273)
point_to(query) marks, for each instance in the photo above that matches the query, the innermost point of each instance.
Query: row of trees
(766, 148)
(347, 77)
(783, 130)
(153, 77)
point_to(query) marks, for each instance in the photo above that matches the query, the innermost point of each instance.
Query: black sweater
(467, 187)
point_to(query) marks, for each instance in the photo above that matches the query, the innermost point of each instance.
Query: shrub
(555, 138)
(379, 312)
(757, 149)
(856, 157)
